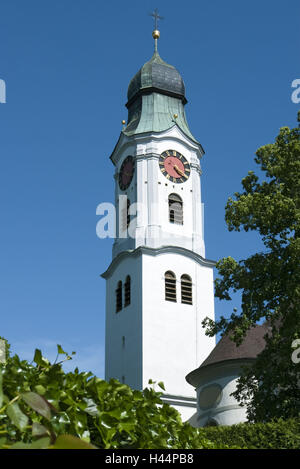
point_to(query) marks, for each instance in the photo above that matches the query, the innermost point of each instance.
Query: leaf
(71, 442)
(41, 443)
(91, 407)
(38, 359)
(2, 441)
(20, 445)
(37, 403)
(16, 416)
(60, 351)
(40, 389)
(39, 430)
(161, 385)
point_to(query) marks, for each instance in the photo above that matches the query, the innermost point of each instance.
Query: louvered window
(170, 286)
(186, 290)
(175, 209)
(127, 291)
(119, 297)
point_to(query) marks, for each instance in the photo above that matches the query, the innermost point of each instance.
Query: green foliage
(270, 280)
(42, 406)
(273, 435)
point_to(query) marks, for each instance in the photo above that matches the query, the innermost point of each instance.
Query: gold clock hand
(178, 170)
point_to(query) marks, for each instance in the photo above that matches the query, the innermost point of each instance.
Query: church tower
(159, 285)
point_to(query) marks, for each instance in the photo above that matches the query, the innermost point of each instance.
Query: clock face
(126, 173)
(174, 166)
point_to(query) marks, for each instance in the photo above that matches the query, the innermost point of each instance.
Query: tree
(269, 280)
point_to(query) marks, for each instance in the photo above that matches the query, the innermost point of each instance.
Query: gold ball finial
(123, 122)
(156, 34)
(175, 116)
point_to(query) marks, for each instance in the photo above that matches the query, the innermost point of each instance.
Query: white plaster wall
(124, 360)
(150, 189)
(173, 338)
(228, 411)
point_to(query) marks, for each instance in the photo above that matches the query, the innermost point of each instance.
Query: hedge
(281, 434)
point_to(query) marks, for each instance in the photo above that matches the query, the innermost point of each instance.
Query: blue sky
(67, 65)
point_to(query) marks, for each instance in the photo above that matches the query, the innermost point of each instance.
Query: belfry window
(170, 286)
(186, 290)
(119, 297)
(175, 209)
(127, 291)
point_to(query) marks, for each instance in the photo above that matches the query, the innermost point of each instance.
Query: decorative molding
(213, 412)
(208, 373)
(125, 141)
(179, 400)
(156, 252)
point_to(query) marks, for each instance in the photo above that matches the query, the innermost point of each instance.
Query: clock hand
(174, 166)
(179, 170)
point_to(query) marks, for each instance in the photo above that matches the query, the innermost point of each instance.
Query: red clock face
(126, 173)
(174, 166)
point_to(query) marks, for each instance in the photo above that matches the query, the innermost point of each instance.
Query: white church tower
(159, 285)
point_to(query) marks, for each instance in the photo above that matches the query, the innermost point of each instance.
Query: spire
(156, 95)
(156, 32)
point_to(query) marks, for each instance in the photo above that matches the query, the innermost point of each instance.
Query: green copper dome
(156, 99)
(158, 75)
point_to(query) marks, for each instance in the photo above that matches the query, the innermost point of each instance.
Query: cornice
(125, 141)
(213, 371)
(156, 252)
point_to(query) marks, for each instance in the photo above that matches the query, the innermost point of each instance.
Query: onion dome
(156, 98)
(156, 75)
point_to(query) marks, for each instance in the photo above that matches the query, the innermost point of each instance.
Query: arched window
(127, 291)
(170, 286)
(186, 290)
(175, 209)
(119, 297)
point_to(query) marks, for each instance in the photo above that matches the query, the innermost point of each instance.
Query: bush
(41, 406)
(281, 434)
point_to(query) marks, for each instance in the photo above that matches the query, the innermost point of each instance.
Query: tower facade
(159, 285)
